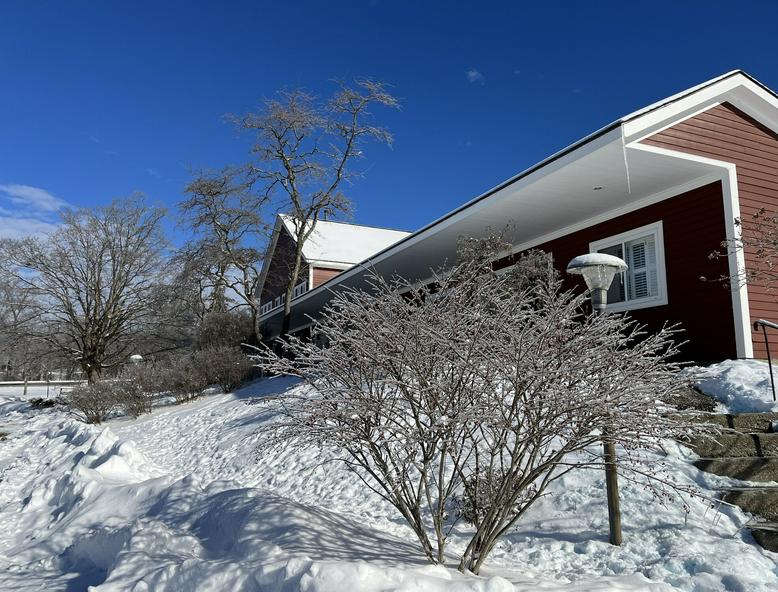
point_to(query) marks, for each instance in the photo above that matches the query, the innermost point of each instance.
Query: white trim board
(741, 315)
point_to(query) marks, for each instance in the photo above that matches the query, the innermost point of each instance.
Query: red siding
(725, 133)
(280, 269)
(324, 274)
(693, 227)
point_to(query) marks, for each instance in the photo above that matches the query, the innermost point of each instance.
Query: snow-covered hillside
(183, 499)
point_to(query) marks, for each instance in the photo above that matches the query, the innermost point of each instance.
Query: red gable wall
(725, 133)
(280, 268)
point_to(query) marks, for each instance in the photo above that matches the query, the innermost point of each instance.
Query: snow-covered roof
(346, 244)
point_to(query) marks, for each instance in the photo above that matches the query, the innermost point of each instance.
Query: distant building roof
(342, 243)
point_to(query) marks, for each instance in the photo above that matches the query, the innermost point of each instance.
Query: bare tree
(20, 356)
(466, 398)
(224, 259)
(304, 151)
(758, 240)
(92, 283)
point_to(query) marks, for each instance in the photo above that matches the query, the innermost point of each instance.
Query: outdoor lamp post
(598, 271)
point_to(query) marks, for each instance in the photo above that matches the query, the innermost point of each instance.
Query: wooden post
(599, 302)
(612, 491)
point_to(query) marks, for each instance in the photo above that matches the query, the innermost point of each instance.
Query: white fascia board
(330, 264)
(736, 260)
(737, 89)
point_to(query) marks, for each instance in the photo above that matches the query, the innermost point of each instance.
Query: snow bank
(741, 386)
(96, 512)
(183, 499)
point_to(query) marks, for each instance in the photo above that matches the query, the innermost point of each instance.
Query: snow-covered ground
(183, 499)
(740, 386)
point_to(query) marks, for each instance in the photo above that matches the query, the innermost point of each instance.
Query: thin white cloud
(31, 197)
(475, 77)
(12, 227)
(153, 173)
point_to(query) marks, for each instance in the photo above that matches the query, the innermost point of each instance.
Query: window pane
(616, 291)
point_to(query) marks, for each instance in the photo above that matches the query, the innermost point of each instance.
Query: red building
(661, 187)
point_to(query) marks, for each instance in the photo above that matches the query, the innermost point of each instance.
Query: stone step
(766, 535)
(772, 489)
(746, 469)
(744, 422)
(762, 525)
(760, 501)
(737, 445)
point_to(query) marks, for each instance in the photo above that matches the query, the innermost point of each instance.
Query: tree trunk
(294, 276)
(255, 325)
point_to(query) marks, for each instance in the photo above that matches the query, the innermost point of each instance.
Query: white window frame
(661, 274)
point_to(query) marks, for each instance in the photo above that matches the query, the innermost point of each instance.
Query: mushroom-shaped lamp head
(598, 270)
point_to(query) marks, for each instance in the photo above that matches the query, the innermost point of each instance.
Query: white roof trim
(735, 87)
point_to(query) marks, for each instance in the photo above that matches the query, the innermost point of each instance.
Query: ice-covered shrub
(224, 365)
(93, 402)
(184, 379)
(478, 389)
(132, 397)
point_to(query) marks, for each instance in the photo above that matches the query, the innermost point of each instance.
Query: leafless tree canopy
(304, 151)
(466, 398)
(92, 285)
(223, 262)
(20, 356)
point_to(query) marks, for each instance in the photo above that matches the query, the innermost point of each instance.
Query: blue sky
(100, 99)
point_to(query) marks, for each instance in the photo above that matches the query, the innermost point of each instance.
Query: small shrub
(148, 376)
(41, 403)
(92, 402)
(132, 397)
(184, 379)
(224, 365)
(142, 384)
